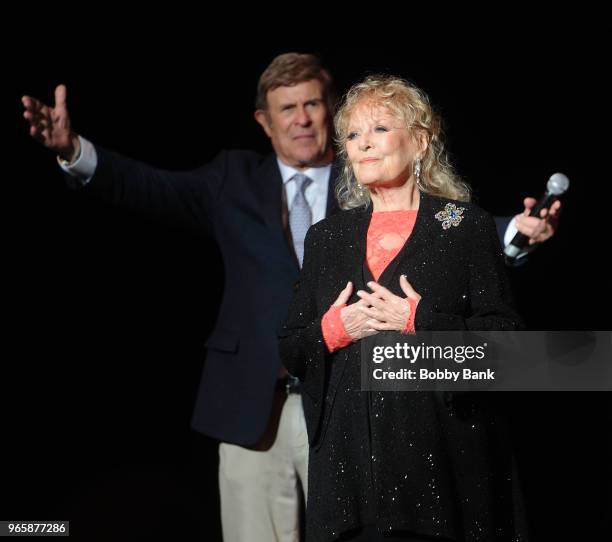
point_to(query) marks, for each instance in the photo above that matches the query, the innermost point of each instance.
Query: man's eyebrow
(307, 100)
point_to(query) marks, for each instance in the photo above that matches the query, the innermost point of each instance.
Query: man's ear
(263, 119)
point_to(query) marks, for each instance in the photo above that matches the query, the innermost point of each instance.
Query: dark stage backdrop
(108, 312)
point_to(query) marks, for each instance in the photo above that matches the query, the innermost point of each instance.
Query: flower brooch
(450, 216)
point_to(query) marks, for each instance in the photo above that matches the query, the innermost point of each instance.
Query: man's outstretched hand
(51, 125)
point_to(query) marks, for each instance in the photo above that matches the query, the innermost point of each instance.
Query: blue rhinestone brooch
(450, 216)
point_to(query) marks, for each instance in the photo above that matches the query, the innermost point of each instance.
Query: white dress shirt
(316, 191)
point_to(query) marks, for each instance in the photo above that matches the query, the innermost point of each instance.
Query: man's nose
(302, 117)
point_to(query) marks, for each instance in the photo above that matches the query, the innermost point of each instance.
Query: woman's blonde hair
(410, 105)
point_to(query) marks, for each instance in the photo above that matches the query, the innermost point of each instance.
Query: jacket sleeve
(502, 223)
(186, 197)
(490, 298)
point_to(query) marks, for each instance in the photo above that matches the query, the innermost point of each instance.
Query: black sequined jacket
(410, 461)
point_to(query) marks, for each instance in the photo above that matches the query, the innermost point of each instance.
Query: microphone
(555, 187)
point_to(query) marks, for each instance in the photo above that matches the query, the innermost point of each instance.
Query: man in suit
(257, 208)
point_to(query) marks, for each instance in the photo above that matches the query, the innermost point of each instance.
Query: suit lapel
(357, 249)
(334, 177)
(268, 187)
(270, 195)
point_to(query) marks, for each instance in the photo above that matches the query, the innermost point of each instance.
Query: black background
(107, 312)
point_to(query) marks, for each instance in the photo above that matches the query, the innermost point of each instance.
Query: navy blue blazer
(236, 198)
(501, 224)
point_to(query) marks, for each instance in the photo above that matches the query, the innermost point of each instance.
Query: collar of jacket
(268, 186)
(424, 226)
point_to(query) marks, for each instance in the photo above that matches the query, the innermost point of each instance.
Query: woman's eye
(351, 136)
(381, 129)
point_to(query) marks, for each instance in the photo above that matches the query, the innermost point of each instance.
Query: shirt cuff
(334, 334)
(409, 328)
(511, 231)
(83, 168)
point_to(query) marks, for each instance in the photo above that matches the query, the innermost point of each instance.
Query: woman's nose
(364, 143)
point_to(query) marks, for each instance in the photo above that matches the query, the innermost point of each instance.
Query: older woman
(410, 253)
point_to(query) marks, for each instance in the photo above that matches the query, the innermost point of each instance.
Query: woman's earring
(360, 190)
(417, 173)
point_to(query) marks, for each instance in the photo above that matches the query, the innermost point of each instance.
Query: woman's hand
(356, 323)
(385, 310)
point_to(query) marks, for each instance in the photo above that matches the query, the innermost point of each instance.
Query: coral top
(387, 234)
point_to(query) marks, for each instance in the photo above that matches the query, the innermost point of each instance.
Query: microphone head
(557, 184)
